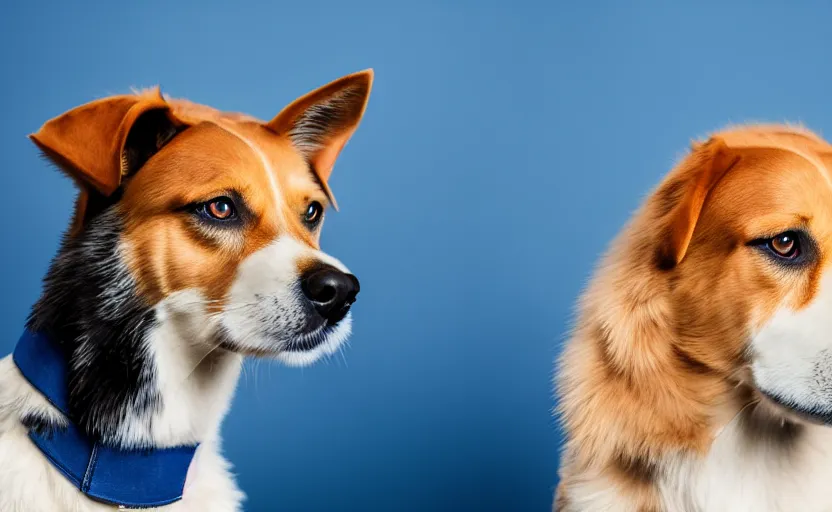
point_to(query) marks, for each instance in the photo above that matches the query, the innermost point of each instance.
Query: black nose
(331, 291)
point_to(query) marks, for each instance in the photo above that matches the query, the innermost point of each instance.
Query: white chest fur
(29, 482)
(739, 475)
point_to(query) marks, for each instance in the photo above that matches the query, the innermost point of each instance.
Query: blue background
(504, 145)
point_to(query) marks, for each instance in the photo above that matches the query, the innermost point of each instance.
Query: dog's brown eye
(313, 213)
(220, 209)
(785, 245)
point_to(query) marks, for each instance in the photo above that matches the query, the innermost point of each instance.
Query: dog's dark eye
(221, 208)
(313, 214)
(785, 245)
(793, 248)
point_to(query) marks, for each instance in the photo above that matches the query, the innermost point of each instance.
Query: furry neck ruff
(123, 477)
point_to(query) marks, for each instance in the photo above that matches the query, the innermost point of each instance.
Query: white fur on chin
(195, 380)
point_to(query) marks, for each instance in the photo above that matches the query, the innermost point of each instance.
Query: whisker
(218, 345)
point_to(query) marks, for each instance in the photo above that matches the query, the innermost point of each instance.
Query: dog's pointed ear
(101, 142)
(678, 202)
(320, 123)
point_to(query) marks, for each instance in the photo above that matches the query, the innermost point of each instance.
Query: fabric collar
(128, 478)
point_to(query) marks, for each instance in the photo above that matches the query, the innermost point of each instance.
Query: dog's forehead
(796, 140)
(269, 148)
(229, 152)
(285, 169)
(783, 182)
(792, 149)
(771, 180)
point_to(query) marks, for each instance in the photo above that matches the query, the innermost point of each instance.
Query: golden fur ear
(320, 123)
(90, 142)
(679, 201)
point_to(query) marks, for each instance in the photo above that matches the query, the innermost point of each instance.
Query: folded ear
(320, 123)
(678, 202)
(101, 142)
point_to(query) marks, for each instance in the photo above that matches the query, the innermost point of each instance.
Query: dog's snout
(330, 291)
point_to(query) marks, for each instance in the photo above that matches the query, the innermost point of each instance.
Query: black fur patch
(636, 468)
(91, 309)
(664, 257)
(691, 364)
(40, 424)
(663, 261)
(148, 135)
(759, 426)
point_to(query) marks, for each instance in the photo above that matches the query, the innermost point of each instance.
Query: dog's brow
(267, 167)
(817, 163)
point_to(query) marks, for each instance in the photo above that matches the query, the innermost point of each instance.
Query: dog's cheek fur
(798, 372)
(626, 358)
(643, 343)
(724, 316)
(271, 316)
(104, 332)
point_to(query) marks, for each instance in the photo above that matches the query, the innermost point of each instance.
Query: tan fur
(169, 252)
(657, 362)
(220, 152)
(217, 290)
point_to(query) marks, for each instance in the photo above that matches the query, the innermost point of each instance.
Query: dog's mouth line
(312, 339)
(812, 414)
(303, 342)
